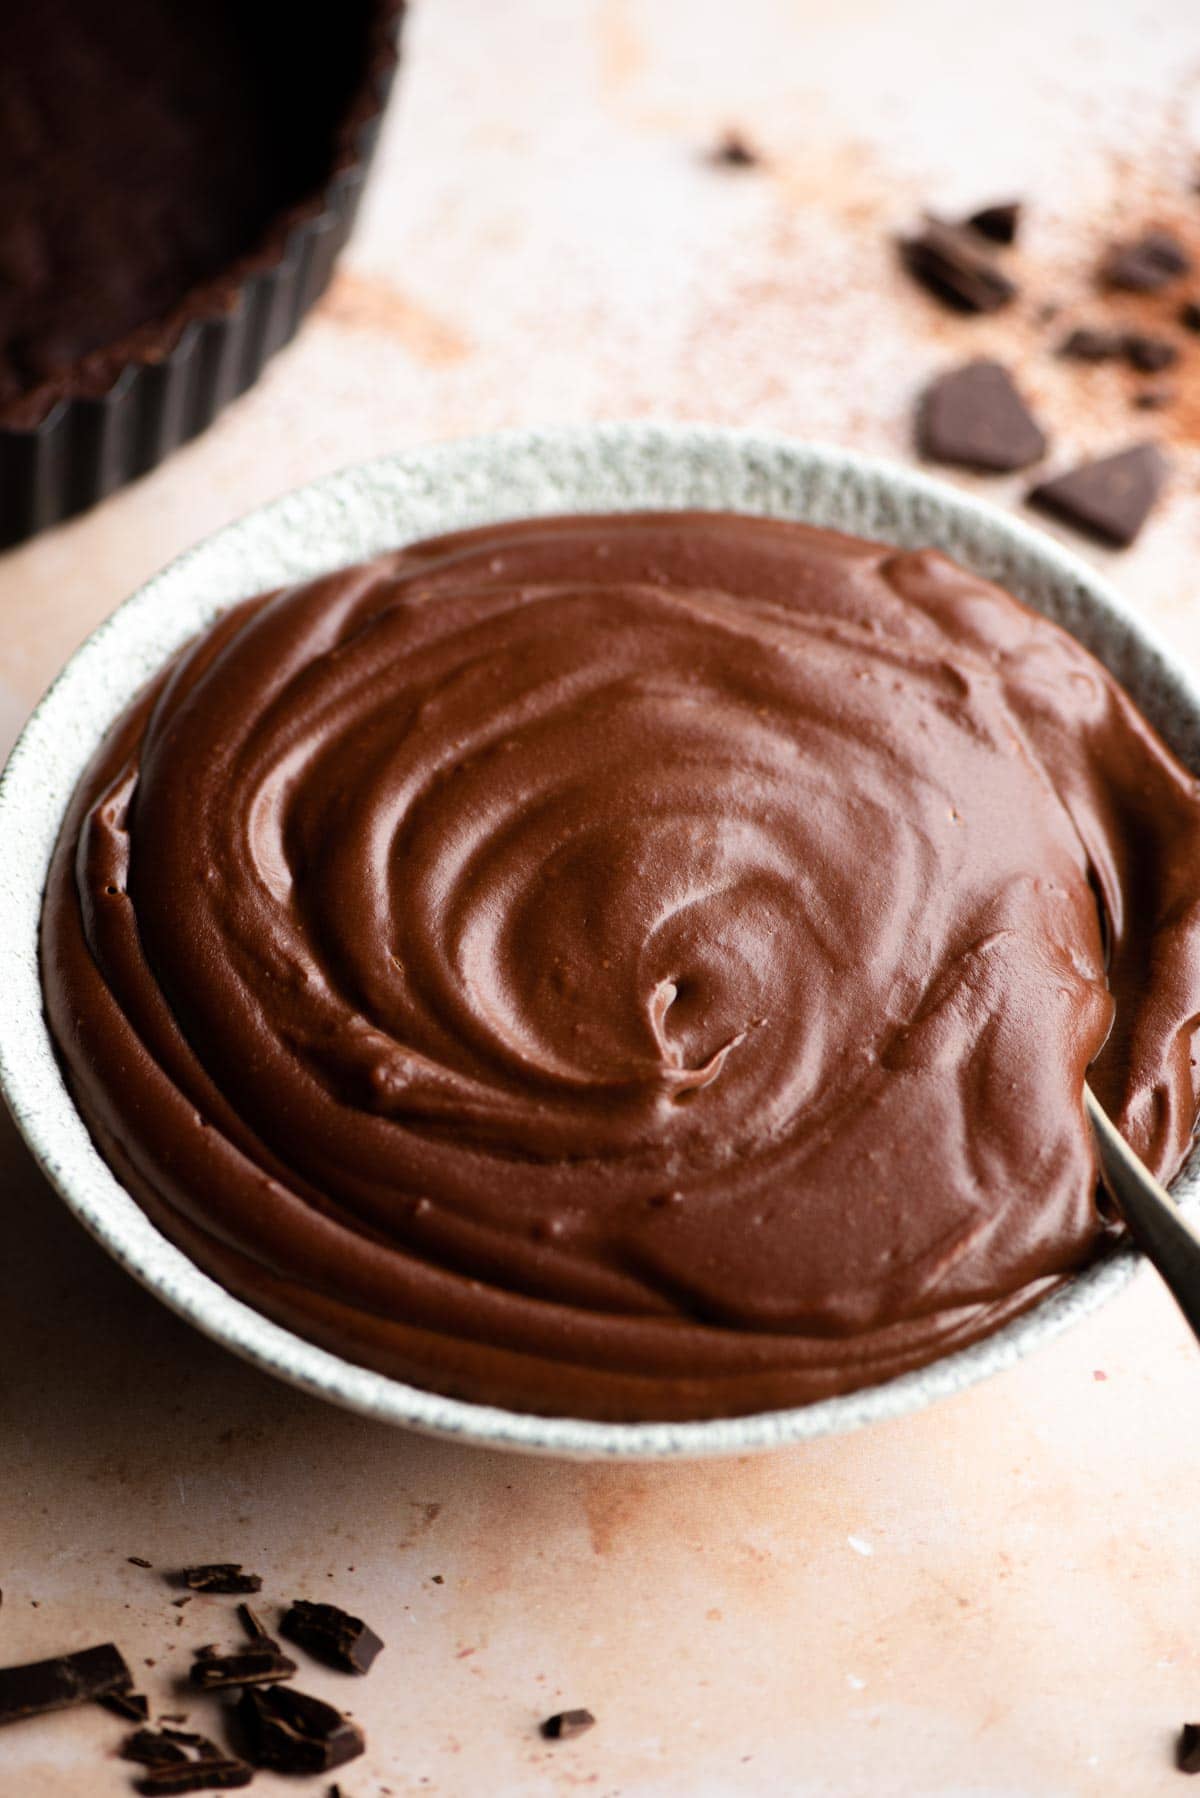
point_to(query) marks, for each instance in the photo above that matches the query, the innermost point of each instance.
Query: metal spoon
(1154, 1220)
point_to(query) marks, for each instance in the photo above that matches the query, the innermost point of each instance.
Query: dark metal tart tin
(163, 384)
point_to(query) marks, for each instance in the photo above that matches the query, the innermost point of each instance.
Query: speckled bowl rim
(361, 512)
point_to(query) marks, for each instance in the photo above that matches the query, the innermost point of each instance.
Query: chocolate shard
(1085, 344)
(293, 1732)
(331, 1635)
(1146, 263)
(1187, 1749)
(138, 1561)
(999, 222)
(975, 418)
(1150, 355)
(81, 1678)
(197, 1776)
(133, 1706)
(1110, 498)
(954, 267)
(244, 1667)
(222, 1577)
(565, 1724)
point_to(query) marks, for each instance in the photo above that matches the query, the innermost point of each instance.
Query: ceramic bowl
(359, 513)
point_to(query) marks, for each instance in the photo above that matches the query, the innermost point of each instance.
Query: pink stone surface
(995, 1598)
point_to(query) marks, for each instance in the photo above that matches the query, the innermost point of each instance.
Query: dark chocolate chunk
(1146, 263)
(1085, 344)
(197, 1776)
(331, 1635)
(1150, 355)
(999, 222)
(153, 1748)
(565, 1724)
(974, 417)
(733, 151)
(1110, 498)
(221, 1576)
(1189, 315)
(295, 1732)
(133, 1706)
(81, 1678)
(138, 1561)
(955, 267)
(1187, 1751)
(244, 1667)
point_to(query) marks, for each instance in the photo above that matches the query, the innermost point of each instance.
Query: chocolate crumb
(180, 1602)
(331, 1635)
(133, 1706)
(733, 151)
(81, 1678)
(224, 1577)
(1146, 263)
(953, 266)
(1086, 344)
(1110, 498)
(294, 1732)
(138, 1561)
(1000, 222)
(1187, 1752)
(439, 1579)
(565, 1724)
(1149, 355)
(974, 417)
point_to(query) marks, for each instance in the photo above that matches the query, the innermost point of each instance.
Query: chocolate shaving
(956, 269)
(81, 1678)
(1187, 1752)
(1110, 498)
(1000, 222)
(138, 1561)
(975, 418)
(294, 1732)
(331, 1635)
(565, 1724)
(244, 1667)
(222, 1577)
(1150, 355)
(133, 1706)
(1145, 264)
(1086, 344)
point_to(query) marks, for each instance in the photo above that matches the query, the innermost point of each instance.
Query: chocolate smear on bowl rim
(331, 1635)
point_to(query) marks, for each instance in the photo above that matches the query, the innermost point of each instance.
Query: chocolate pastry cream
(638, 966)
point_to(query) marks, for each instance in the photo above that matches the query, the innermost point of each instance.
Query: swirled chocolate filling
(640, 966)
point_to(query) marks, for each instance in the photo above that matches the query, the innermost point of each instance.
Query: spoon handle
(1154, 1220)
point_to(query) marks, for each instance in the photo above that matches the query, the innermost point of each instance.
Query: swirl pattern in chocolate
(638, 966)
